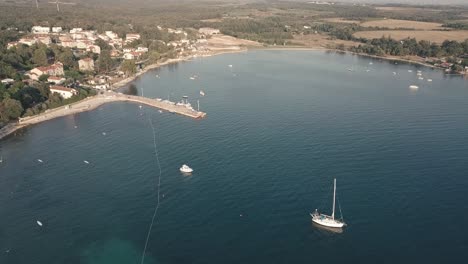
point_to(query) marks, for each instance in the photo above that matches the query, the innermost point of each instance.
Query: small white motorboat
(39, 160)
(230, 65)
(39, 223)
(429, 80)
(186, 169)
(160, 111)
(421, 78)
(414, 87)
(410, 71)
(202, 93)
(328, 220)
(85, 161)
(192, 78)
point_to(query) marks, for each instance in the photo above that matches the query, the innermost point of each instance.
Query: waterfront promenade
(93, 102)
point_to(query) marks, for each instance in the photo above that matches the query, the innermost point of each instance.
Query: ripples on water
(280, 127)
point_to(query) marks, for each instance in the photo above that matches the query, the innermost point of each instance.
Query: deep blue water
(280, 126)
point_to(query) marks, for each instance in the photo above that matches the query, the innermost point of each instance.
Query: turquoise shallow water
(280, 126)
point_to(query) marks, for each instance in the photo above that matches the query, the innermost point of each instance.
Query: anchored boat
(327, 220)
(186, 169)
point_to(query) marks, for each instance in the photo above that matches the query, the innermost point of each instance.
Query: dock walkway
(91, 103)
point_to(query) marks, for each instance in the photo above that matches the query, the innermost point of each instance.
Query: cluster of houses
(75, 38)
(83, 41)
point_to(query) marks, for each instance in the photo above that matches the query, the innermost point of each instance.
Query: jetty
(93, 102)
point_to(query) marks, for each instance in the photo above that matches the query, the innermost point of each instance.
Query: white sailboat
(327, 220)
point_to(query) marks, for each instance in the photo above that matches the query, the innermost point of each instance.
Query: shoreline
(91, 103)
(392, 58)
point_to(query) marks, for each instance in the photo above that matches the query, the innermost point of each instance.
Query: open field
(396, 23)
(341, 20)
(321, 41)
(405, 9)
(433, 36)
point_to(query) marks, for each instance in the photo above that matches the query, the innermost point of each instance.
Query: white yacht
(414, 87)
(327, 220)
(186, 169)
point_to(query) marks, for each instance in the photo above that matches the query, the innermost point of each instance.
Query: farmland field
(395, 23)
(433, 36)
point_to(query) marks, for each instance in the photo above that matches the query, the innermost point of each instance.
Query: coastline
(91, 103)
(391, 58)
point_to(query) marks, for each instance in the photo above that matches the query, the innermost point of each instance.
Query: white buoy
(104, 133)
(39, 223)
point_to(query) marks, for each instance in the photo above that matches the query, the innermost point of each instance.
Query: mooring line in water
(156, 154)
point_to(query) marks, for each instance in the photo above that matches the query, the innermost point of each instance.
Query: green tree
(128, 66)
(104, 61)
(10, 109)
(66, 57)
(43, 78)
(40, 57)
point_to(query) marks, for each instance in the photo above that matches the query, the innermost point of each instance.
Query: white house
(7, 81)
(142, 49)
(75, 30)
(129, 56)
(65, 92)
(52, 70)
(132, 37)
(45, 39)
(86, 64)
(209, 31)
(40, 30)
(56, 29)
(94, 49)
(27, 41)
(55, 79)
(111, 35)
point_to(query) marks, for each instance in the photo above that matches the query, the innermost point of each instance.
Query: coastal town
(83, 44)
(98, 63)
(53, 63)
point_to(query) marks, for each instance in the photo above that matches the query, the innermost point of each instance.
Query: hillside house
(55, 69)
(86, 64)
(40, 30)
(55, 79)
(65, 92)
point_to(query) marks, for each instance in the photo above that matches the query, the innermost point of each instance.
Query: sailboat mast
(334, 194)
